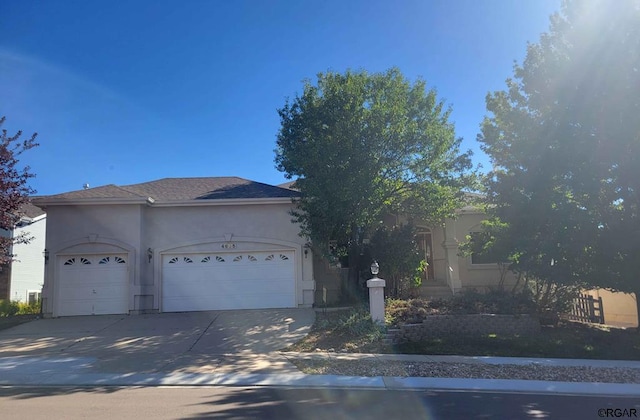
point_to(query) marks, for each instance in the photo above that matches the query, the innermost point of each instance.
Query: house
(22, 279)
(173, 245)
(448, 272)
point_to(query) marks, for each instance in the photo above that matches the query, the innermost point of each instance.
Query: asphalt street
(299, 403)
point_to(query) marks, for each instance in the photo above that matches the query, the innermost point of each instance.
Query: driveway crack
(203, 333)
(81, 339)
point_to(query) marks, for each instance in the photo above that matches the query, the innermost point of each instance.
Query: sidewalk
(80, 371)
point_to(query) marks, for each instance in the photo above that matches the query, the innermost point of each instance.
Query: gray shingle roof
(105, 191)
(30, 211)
(183, 189)
(289, 185)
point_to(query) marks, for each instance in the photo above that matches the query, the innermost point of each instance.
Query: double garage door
(93, 285)
(99, 284)
(235, 280)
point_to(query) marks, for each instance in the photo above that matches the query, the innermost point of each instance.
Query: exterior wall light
(45, 254)
(375, 268)
(307, 246)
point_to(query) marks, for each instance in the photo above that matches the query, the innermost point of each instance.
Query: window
(33, 297)
(484, 258)
(423, 238)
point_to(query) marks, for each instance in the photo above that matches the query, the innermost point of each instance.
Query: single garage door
(247, 280)
(93, 285)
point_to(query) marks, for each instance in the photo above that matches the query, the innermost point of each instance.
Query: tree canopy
(363, 145)
(14, 188)
(564, 140)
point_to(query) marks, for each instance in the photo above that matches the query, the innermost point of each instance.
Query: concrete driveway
(204, 342)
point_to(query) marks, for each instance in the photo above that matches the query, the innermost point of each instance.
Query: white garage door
(93, 285)
(242, 280)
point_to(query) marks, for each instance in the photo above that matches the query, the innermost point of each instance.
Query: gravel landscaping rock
(466, 370)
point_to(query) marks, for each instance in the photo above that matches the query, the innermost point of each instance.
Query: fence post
(601, 309)
(592, 310)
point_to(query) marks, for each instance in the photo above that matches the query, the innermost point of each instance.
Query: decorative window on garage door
(112, 260)
(77, 260)
(272, 257)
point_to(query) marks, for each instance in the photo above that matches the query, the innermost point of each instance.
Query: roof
(289, 185)
(169, 190)
(30, 211)
(105, 191)
(180, 189)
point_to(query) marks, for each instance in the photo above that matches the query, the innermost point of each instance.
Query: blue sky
(126, 92)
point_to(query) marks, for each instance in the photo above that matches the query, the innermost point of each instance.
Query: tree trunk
(354, 276)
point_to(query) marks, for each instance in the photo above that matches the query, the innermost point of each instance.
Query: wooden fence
(586, 308)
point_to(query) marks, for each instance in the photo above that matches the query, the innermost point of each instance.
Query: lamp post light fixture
(375, 268)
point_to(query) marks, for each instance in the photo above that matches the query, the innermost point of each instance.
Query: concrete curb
(322, 381)
(74, 371)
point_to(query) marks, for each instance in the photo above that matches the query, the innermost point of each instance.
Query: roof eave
(44, 202)
(224, 202)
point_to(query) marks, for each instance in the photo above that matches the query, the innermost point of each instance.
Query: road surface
(292, 403)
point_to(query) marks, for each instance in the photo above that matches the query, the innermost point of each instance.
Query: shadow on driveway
(186, 342)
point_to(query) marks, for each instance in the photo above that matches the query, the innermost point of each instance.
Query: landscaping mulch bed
(566, 340)
(7, 322)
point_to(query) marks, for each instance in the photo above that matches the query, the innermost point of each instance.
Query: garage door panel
(93, 285)
(228, 281)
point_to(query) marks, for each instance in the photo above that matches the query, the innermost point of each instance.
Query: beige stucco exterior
(147, 231)
(620, 309)
(463, 274)
(452, 272)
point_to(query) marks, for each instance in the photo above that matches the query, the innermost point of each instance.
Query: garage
(93, 285)
(217, 281)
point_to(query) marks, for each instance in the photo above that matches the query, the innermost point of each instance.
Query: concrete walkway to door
(192, 342)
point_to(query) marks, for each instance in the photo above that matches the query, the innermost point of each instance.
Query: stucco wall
(27, 270)
(475, 276)
(450, 267)
(620, 309)
(90, 229)
(158, 230)
(203, 229)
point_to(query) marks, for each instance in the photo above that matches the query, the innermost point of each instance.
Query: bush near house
(468, 302)
(11, 308)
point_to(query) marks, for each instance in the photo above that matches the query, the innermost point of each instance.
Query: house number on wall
(228, 246)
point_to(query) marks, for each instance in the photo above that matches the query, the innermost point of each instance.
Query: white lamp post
(376, 294)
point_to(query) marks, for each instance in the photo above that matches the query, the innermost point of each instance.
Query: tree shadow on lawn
(566, 340)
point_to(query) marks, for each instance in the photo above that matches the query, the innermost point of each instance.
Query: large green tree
(363, 145)
(14, 187)
(564, 139)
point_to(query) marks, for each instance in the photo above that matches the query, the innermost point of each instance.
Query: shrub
(8, 308)
(29, 309)
(551, 297)
(500, 302)
(356, 322)
(496, 301)
(12, 308)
